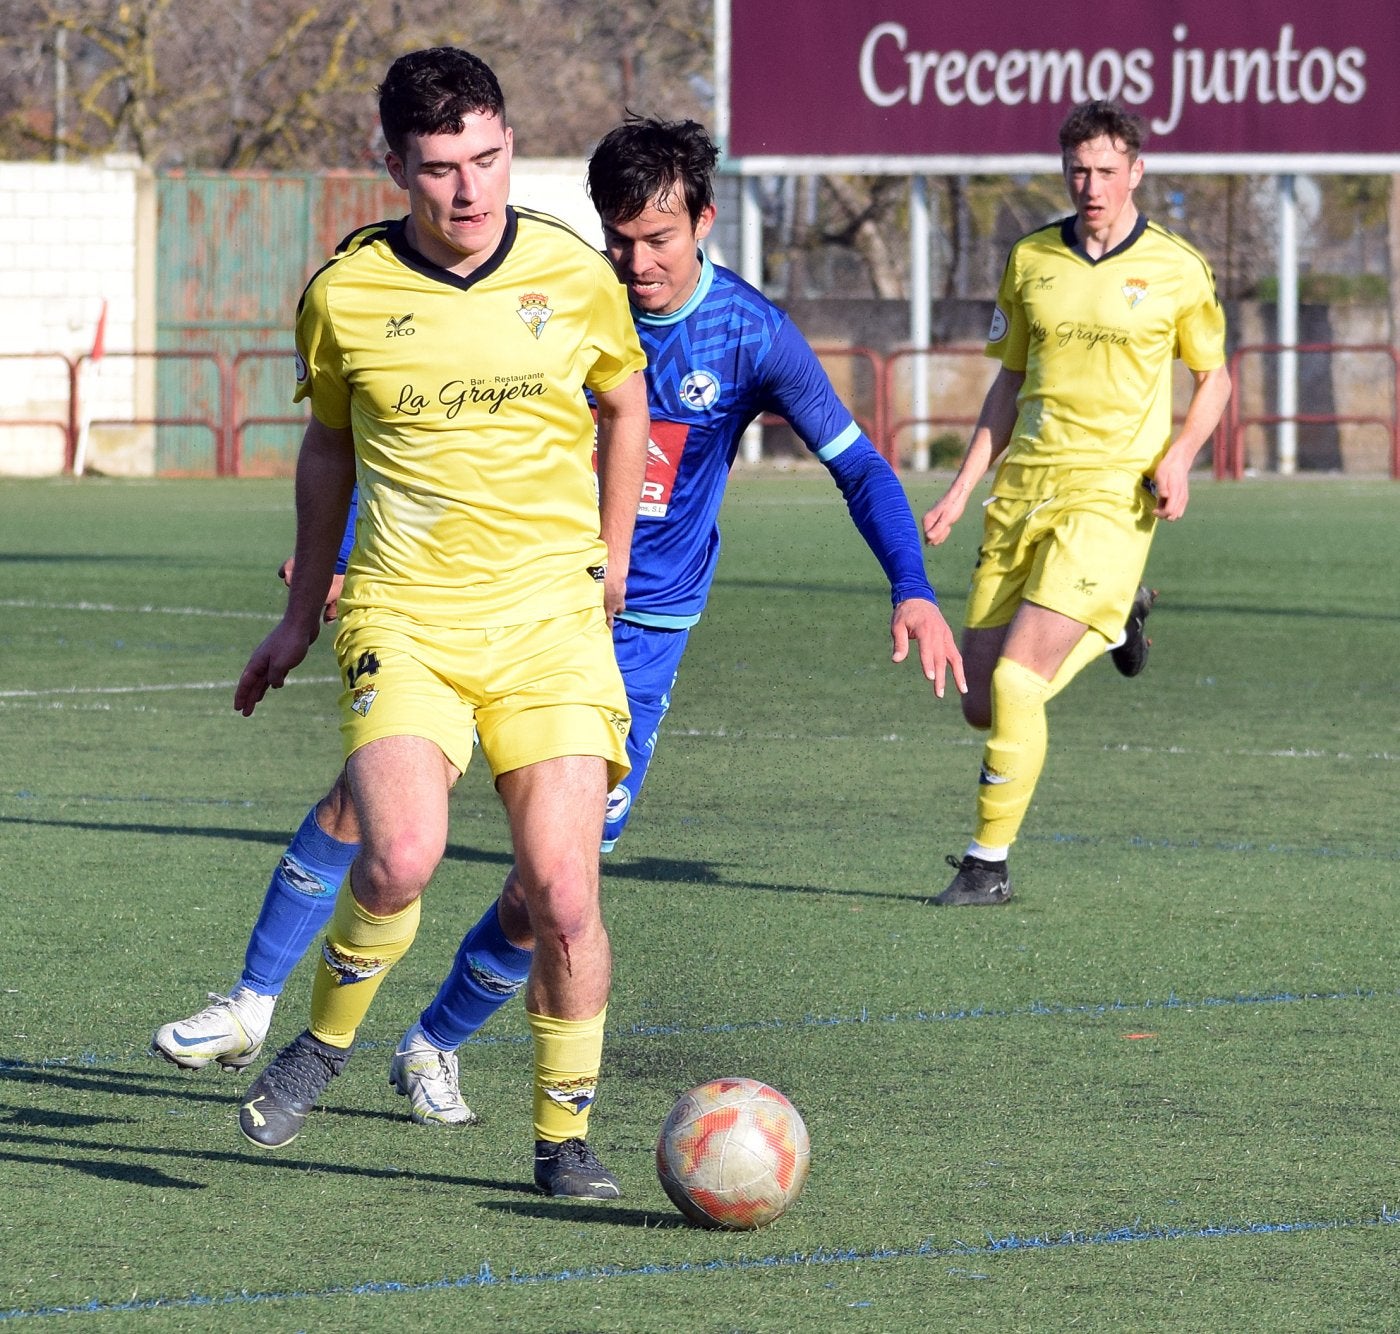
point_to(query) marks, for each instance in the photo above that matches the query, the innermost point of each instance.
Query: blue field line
(1033, 1009)
(485, 1276)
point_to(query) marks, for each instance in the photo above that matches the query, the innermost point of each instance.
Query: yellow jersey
(1096, 340)
(478, 504)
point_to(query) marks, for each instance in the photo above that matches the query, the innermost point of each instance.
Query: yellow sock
(568, 1056)
(359, 950)
(1015, 751)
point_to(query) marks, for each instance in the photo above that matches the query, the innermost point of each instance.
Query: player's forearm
(324, 480)
(1208, 401)
(880, 511)
(991, 435)
(623, 428)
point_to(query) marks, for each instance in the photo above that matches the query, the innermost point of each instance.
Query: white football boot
(230, 1031)
(427, 1076)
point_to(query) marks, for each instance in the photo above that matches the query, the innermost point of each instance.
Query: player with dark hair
(719, 354)
(1091, 312)
(485, 568)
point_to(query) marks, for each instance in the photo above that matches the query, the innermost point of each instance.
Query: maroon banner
(911, 78)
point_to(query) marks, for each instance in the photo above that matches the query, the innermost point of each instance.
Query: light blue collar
(702, 288)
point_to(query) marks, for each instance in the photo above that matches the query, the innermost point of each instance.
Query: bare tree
(258, 83)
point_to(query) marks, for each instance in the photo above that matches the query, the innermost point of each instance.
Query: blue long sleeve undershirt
(881, 513)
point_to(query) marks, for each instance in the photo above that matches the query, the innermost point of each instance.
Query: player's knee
(564, 903)
(513, 912)
(392, 872)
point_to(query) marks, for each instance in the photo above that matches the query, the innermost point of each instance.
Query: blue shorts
(649, 659)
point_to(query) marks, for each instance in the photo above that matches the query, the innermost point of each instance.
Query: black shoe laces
(303, 1070)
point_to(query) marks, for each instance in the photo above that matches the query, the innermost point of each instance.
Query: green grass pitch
(1156, 1091)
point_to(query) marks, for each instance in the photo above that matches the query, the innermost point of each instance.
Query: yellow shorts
(528, 692)
(1081, 554)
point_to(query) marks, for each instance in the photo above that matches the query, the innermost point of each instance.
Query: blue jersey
(713, 366)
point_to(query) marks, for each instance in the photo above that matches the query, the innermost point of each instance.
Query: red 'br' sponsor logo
(664, 451)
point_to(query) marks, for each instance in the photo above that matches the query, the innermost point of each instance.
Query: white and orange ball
(733, 1153)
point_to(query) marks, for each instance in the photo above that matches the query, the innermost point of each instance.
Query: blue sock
(299, 901)
(486, 973)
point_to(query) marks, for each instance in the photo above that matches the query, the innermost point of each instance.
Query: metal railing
(876, 387)
(1230, 461)
(65, 421)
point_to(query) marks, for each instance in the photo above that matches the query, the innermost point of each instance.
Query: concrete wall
(72, 235)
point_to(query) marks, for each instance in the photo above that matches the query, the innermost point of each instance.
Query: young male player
(477, 593)
(1091, 312)
(719, 354)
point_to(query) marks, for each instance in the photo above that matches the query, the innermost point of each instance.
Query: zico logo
(398, 328)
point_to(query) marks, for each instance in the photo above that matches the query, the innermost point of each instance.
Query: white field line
(31, 604)
(74, 691)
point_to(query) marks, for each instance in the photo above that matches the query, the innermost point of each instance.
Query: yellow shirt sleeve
(1008, 340)
(320, 366)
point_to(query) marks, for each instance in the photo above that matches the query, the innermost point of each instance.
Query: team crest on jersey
(699, 390)
(362, 699)
(534, 310)
(998, 330)
(1134, 291)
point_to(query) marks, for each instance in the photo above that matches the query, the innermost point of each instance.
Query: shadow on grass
(104, 1169)
(212, 1088)
(670, 870)
(585, 1211)
(525, 1199)
(220, 1158)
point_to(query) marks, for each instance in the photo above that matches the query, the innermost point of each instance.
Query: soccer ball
(733, 1154)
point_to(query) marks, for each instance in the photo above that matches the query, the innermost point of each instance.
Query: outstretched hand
(267, 669)
(918, 618)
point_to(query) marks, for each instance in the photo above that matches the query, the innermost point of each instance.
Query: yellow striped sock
(568, 1056)
(358, 951)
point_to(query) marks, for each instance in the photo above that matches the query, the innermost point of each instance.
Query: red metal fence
(1230, 458)
(872, 383)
